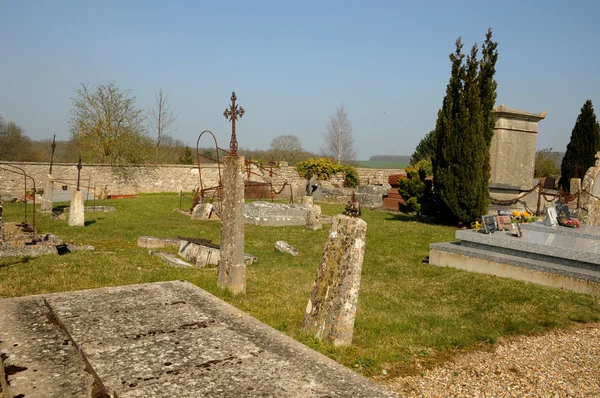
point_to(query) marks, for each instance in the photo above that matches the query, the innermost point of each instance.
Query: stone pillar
(76, 211)
(47, 197)
(331, 308)
(307, 201)
(232, 269)
(1, 226)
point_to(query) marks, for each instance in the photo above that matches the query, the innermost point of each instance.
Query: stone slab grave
(275, 214)
(548, 255)
(166, 339)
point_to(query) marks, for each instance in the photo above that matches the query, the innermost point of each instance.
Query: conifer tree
(581, 150)
(464, 131)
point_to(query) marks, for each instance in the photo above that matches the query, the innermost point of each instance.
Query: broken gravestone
(205, 254)
(307, 201)
(313, 221)
(202, 211)
(47, 196)
(285, 247)
(331, 308)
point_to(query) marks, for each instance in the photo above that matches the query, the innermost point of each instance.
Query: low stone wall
(128, 180)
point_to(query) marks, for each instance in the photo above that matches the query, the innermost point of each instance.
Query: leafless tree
(339, 142)
(160, 117)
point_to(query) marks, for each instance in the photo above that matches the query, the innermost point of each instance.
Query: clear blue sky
(292, 63)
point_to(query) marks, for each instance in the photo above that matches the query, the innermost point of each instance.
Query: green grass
(380, 164)
(408, 310)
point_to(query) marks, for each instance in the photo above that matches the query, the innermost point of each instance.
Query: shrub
(416, 190)
(324, 168)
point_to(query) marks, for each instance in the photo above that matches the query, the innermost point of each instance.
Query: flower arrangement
(522, 217)
(568, 223)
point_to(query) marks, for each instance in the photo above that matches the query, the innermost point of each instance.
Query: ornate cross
(78, 172)
(53, 146)
(232, 114)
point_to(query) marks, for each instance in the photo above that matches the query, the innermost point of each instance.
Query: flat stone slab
(274, 214)
(151, 242)
(585, 231)
(550, 244)
(167, 339)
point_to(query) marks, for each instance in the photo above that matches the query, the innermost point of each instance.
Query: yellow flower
(515, 213)
(525, 214)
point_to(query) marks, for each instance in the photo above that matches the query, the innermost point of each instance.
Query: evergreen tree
(186, 157)
(425, 150)
(581, 151)
(464, 130)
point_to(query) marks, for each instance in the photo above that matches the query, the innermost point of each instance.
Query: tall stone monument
(591, 185)
(76, 210)
(512, 152)
(331, 308)
(1, 226)
(231, 267)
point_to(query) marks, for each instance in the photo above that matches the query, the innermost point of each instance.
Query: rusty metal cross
(78, 172)
(53, 146)
(232, 113)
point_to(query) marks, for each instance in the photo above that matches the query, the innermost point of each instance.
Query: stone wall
(127, 180)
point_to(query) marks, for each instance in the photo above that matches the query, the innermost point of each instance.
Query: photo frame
(490, 224)
(551, 217)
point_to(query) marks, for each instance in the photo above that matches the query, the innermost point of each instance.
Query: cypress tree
(581, 151)
(464, 131)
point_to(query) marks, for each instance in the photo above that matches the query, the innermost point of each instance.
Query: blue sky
(293, 63)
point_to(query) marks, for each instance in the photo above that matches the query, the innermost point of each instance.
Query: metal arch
(26, 176)
(217, 189)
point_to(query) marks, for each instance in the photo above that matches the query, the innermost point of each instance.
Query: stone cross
(231, 267)
(76, 210)
(331, 308)
(232, 114)
(78, 172)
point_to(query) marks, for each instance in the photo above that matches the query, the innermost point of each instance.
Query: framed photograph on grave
(562, 209)
(551, 217)
(504, 223)
(490, 224)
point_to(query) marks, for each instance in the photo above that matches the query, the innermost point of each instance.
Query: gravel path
(557, 364)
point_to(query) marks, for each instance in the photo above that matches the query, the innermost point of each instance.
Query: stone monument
(331, 308)
(1, 226)
(591, 185)
(231, 268)
(76, 211)
(512, 153)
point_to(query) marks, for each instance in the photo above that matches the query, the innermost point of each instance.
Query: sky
(292, 64)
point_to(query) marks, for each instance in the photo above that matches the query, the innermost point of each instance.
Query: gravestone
(307, 200)
(231, 268)
(575, 185)
(47, 196)
(313, 222)
(202, 211)
(76, 211)
(284, 247)
(331, 308)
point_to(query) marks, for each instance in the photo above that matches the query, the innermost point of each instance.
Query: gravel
(557, 364)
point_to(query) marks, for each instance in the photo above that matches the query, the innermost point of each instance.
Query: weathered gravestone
(307, 201)
(47, 196)
(331, 308)
(202, 211)
(285, 247)
(313, 221)
(76, 211)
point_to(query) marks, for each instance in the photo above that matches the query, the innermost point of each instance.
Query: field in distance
(381, 164)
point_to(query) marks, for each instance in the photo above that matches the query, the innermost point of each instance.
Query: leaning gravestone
(331, 308)
(202, 211)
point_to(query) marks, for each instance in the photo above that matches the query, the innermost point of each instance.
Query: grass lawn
(408, 311)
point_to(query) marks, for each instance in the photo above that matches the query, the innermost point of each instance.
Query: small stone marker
(232, 270)
(202, 211)
(47, 196)
(285, 247)
(76, 212)
(312, 218)
(331, 309)
(170, 259)
(575, 184)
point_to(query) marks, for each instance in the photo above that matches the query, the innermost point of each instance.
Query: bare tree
(160, 117)
(339, 142)
(107, 126)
